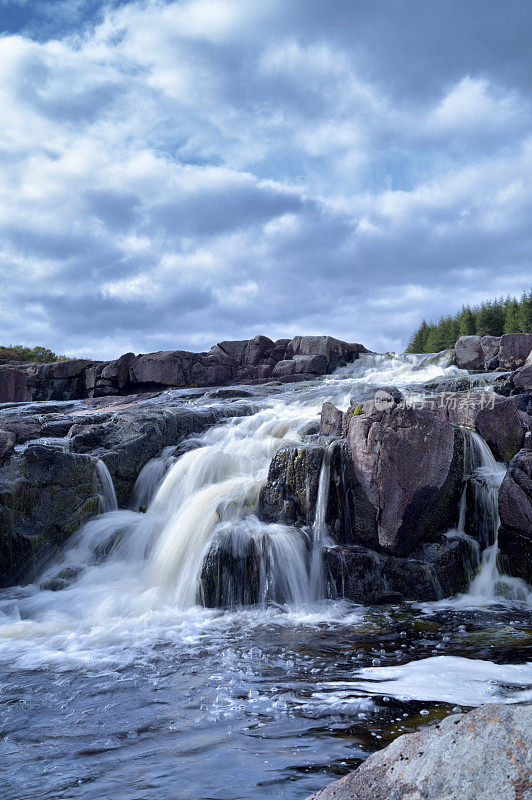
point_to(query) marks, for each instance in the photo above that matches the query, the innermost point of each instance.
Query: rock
(482, 755)
(489, 346)
(335, 352)
(409, 463)
(165, 368)
(354, 573)
(291, 490)
(333, 422)
(257, 350)
(127, 441)
(13, 385)
(491, 415)
(413, 579)
(455, 561)
(45, 495)
(468, 353)
(523, 402)
(515, 510)
(7, 443)
(522, 378)
(514, 350)
(230, 575)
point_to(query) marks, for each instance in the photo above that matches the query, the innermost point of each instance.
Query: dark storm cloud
(176, 173)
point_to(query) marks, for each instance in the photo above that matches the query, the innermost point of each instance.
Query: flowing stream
(125, 685)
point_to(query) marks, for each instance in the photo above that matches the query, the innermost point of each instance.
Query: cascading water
(485, 477)
(108, 494)
(123, 668)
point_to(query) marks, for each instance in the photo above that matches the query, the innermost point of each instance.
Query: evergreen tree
(467, 323)
(511, 318)
(525, 313)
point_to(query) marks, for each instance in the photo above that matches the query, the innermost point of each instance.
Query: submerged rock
(483, 755)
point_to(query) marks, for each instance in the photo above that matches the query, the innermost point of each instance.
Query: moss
(357, 411)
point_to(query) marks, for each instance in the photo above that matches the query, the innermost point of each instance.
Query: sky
(173, 174)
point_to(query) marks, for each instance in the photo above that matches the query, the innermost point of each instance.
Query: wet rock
(128, 440)
(514, 350)
(515, 510)
(354, 573)
(45, 495)
(351, 517)
(61, 580)
(448, 761)
(291, 490)
(413, 579)
(230, 574)
(409, 463)
(454, 560)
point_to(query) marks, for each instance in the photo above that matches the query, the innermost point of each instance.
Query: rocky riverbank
(483, 755)
(256, 360)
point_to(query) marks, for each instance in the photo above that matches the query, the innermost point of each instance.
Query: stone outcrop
(409, 462)
(448, 761)
(515, 510)
(45, 495)
(482, 353)
(254, 360)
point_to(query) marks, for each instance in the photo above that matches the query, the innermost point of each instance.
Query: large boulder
(45, 495)
(483, 755)
(468, 353)
(515, 511)
(409, 462)
(335, 352)
(514, 350)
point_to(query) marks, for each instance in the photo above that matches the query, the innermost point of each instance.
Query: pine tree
(511, 319)
(467, 322)
(525, 313)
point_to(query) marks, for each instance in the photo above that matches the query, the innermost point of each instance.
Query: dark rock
(414, 580)
(522, 379)
(351, 517)
(60, 581)
(523, 402)
(45, 495)
(354, 573)
(13, 385)
(291, 490)
(515, 510)
(230, 574)
(514, 350)
(483, 755)
(454, 560)
(7, 443)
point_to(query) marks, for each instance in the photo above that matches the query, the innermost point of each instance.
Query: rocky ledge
(449, 760)
(256, 360)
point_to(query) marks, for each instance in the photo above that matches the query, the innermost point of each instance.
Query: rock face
(45, 495)
(290, 493)
(248, 361)
(481, 353)
(449, 761)
(515, 510)
(492, 416)
(523, 376)
(409, 462)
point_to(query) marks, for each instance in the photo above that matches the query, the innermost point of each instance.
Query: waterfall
(319, 529)
(108, 494)
(150, 478)
(486, 475)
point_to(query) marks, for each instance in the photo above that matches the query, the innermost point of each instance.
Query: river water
(124, 686)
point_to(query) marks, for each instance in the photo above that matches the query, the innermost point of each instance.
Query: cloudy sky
(177, 173)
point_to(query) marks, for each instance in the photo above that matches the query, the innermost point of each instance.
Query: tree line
(17, 352)
(491, 318)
